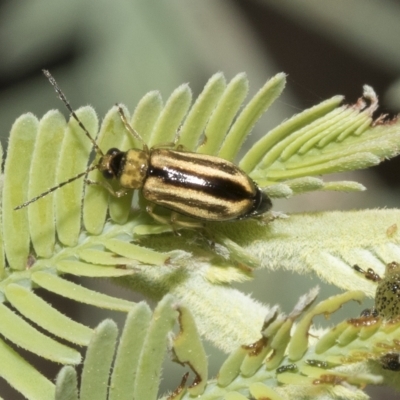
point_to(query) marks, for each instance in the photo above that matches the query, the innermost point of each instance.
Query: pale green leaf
(79, 293)
(199, 114)
(72, 161)
(16, 169)
(153, 352)
(231, 367)
(332, 243)
(67, 384)
(95, 204)
(168, 122)
(266, 144)
(45, 316)
(216, 309)
(234, 396)
(224, 114)
(249, 116)
(135, 252)
(96, 271)
(13, 367)
(15, 329)
(42, 177)
(94, 256)
(145, 116)
(99, 356)
(260, 391)
(124, 372)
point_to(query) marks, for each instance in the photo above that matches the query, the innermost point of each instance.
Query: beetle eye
(108, 174)
(110, 163)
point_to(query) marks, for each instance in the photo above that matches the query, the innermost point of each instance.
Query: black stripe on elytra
(218, 164)
(217, 209)
(221, 188)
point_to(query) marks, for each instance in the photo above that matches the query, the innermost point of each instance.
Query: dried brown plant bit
(254, 349)
(365, 320)
(179, 390)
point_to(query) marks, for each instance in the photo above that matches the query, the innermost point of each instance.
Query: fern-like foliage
(279, 365)
(83, 230)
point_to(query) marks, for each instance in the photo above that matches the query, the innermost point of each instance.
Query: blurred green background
(103, 52)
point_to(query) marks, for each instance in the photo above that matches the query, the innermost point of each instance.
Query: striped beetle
(203, 187)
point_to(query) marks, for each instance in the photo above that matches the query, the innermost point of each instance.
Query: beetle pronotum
(203, 187)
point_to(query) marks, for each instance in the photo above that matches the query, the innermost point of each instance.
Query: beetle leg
(167, 145)
(184, 224)
(178, 134)
(173, 220)
(161, 219)
(173, 144)
(119, 193)
(181, 147)
(156, 217)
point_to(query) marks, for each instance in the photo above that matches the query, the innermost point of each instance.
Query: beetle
(200, 186)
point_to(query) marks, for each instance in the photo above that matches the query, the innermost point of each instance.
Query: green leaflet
(15, 224)
(41, 214)
(67, 384)
(124, 372)
(24, 335)
(153, 351)
(44, 315)
(95, 206)
(68, 198)
(197, 118)
(224, 114)
(249, 116)
(80, 293)
(98, 362)
(33, 385)
(170, 118)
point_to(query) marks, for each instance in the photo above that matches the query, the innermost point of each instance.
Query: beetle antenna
(62, 97)
(93, 167)
(128, 126)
